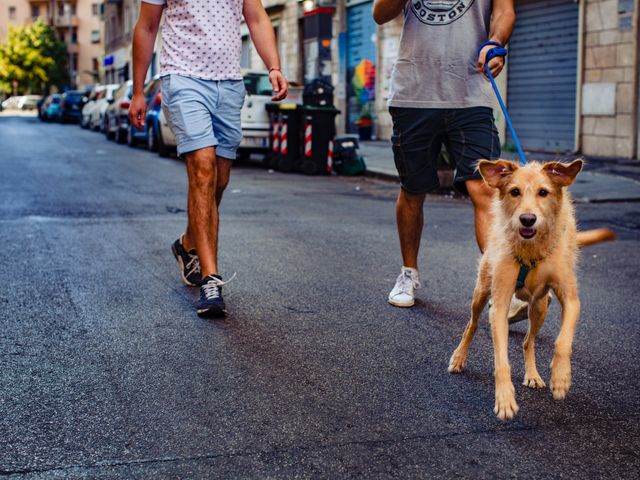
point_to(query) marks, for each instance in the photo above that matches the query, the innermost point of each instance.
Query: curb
(444, 175)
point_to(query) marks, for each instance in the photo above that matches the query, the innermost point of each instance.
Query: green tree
(32, 56)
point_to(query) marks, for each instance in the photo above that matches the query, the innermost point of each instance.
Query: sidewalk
(602, 180)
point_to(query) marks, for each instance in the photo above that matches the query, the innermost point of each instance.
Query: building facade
(570, 84)
(120, 18)
(76, 22)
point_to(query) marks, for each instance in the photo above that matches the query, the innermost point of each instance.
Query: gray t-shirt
(436, 66)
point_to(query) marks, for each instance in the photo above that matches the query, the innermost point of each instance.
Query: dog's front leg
(537, 314)
(502, 288)
(561, 364)
(480, 296)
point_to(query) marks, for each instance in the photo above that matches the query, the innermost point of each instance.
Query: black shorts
(469, 135)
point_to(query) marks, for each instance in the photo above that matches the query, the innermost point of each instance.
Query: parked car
(160, 138)
(116, 116)
(10, 103)
(254, 115)
(154, 103)
(51, 108)
(28, 102)
(90, 104)
(96, 117)
(71, 106)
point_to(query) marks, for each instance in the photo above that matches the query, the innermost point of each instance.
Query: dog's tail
(598, 235)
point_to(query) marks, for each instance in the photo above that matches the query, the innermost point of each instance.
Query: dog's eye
(543, 192)
(515, 192)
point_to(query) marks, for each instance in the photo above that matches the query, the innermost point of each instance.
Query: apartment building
(76, 22)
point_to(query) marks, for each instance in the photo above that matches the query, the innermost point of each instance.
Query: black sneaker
(211, 303)
(189, 263)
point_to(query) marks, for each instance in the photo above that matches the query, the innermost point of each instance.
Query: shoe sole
(212, 313)
(401, 305)
(181, 263)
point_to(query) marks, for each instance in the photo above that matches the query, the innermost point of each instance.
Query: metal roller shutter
(543, 60)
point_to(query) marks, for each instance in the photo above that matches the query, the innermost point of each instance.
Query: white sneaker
(402, 294)
(518, 310)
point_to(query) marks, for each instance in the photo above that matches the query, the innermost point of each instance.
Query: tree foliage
(32, 56)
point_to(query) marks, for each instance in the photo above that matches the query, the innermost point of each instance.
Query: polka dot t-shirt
(201, 38)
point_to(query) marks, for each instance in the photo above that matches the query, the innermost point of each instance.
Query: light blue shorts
(204, 113)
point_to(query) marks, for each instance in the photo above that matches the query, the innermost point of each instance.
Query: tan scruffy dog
(533, 247)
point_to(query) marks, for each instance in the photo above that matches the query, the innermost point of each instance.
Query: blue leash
(500, 51)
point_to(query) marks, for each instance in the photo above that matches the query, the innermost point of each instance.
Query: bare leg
(222, 180)
(561, 363)
(202, 173)
(537, 314)
(481, 292)
(481, 197)
(410, 220)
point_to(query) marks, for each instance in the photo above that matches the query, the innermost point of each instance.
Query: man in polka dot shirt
(202, 95)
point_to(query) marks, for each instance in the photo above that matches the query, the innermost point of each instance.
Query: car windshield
(257, 84)
(73, 98)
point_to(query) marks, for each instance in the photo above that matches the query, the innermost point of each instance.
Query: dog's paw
(457, 362)
(506, 406)
(560, 378)
(533, 381)
(560, 383)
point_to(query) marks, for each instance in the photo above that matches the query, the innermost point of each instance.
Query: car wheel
(121, 137)
(152, 144)
(131, 140)
(105, 128)
(163, 148)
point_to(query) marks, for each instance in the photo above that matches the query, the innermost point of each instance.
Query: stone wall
(609, 91)
(284, 15)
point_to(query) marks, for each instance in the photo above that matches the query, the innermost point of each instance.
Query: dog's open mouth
(527, 232)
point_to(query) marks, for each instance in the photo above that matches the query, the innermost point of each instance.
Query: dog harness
(524, 271)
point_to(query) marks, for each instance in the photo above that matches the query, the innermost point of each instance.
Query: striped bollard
(276, 135)
(330, 156)
(307, 138)
(283, 137)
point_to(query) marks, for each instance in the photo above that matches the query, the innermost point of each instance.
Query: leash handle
(500, 51)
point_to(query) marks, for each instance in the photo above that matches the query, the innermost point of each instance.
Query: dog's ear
(496, 173)
(563, 173)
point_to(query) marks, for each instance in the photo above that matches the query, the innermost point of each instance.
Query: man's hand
(138, 111)
(496, 64)
(279, 84)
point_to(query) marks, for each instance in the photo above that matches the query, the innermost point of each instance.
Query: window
(12, 13)
(95, 9)
(74, 35)
(74, 62)
(35, 11)
(61, 9)
(95, 36)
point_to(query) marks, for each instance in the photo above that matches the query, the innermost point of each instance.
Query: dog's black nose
(528, 219)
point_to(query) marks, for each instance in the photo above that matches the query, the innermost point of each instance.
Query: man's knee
(201, 169)
(410, 199)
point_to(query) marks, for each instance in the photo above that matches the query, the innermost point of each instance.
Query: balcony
(65, 20)
(72, 48)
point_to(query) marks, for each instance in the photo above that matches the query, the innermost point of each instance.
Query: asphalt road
(107, 372)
